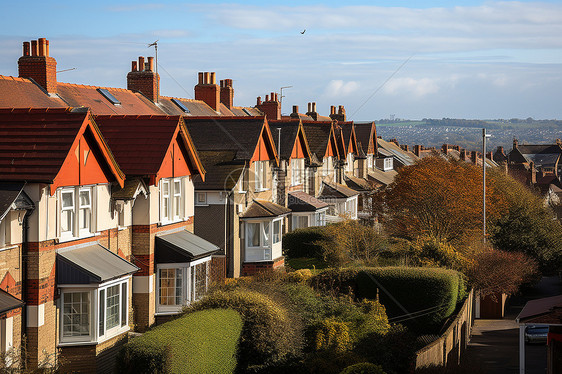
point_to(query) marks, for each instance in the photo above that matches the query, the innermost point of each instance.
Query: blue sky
(464, 59)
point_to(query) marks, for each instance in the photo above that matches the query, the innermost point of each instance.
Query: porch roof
(182, 246)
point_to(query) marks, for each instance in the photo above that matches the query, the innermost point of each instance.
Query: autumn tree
(437, 198)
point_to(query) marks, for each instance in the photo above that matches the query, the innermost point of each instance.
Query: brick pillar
(37, 65)
(144, 281)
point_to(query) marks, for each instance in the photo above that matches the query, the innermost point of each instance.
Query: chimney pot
(141, 63)
(266, 97)
(47, 48)
(26, 48)
(151, 64)
(34, 50)
(295, 109)
(133, 66)
(213, 78)
(258, 100)
(41, 42)
(207, 79)
(309, 107)
(314, 107)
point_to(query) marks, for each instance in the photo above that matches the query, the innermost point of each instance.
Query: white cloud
(339, 88)
(411, 86)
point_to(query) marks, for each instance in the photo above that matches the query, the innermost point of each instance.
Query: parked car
(536, 334)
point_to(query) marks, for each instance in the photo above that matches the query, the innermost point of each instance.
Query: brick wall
(99, 358)
(252, 268)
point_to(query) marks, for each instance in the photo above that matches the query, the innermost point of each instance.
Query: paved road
(494, 346)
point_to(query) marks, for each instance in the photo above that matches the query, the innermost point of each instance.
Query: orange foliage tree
(438, 198)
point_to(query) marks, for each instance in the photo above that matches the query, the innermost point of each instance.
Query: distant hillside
(468, 133)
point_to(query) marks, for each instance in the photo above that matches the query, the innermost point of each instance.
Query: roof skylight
(109, 96)
(181, 105)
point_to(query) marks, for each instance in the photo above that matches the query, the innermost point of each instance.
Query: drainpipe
(24, 293)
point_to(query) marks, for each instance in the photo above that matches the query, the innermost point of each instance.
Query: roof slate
(318, 135)
(299, 201)
(35, 142)
(9, 302)
(335, 190)
(223, 170)
(262, 208)
(23, 93)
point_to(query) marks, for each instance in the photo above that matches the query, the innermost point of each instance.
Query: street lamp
(484, 137)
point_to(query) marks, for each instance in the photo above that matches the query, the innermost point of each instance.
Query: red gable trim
(181, 158)
(82, 163)
(265, 148)
(300, 148)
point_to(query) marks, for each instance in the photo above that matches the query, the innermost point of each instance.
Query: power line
(382, 85)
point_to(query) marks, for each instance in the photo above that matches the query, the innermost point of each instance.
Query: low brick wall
(252, 268)
(447, 350)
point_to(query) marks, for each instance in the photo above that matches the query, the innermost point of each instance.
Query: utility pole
(484, 137)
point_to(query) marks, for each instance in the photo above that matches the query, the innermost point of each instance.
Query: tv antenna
(281, 96)
(155, 45)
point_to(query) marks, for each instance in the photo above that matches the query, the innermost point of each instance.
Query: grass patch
(306, 263)
(199, 342)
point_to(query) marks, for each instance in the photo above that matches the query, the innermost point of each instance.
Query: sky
(408, 59)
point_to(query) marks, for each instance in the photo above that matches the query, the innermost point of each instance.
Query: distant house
(343, 201)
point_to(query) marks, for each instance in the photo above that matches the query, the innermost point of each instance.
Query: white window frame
(350, 160)
(96, 302)
(188, 286)
(3, 228)
(388, 163)
(260, 176)
(168, 193)
(297, 166)
(320, 218)
(297, 218)
(326, 166)
(76, 232)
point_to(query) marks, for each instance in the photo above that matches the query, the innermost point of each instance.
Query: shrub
(331, 335)
(432, 252)
(199, 342)
(299, 276)
(265, 334)
(302, 242)
(363, 368)
(339, 281)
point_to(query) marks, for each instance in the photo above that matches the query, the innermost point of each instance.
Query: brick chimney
(227, 92)
(312, 111)
(207, 90)
(417, 150)
(144, 79)
(295, 112)
(474, 157)
(445, 149)
(36, 64)
(271, 106)
(340, 115)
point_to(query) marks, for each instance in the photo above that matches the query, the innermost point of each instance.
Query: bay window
(76, 212)
(263, 239)
(171, 200)
(179, 284)
(94, 314)
(300, 221)
(297, 166)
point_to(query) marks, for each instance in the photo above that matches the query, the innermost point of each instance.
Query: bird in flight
(303, 31)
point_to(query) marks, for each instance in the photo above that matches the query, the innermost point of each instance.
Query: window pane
(67, 218)
(265, 233)
(102, 313)
(253, 234)
(171, 286)
(276, 231)
(67, 199)
(85, 198)
(112, 307)
(124, 304)
(76, 314)
(85, 218)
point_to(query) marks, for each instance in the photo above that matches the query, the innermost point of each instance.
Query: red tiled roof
(23, 93)
(195, 107)
(34, 143)
(139, 143)
(77, 95)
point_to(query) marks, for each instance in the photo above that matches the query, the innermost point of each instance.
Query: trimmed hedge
(431, 294)
(265, 334)
(201, 342)
(302, 242)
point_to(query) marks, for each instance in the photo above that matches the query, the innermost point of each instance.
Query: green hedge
(363, 368)
(301, 242)
(431, 294)
(201, 342)
(266, 327)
